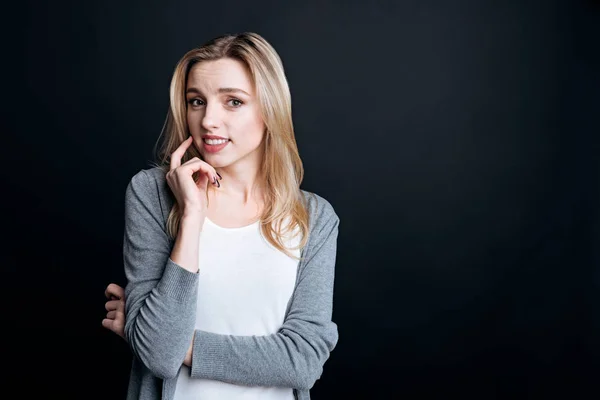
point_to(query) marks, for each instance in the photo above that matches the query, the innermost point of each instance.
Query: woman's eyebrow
(221, 90)
(233, 90)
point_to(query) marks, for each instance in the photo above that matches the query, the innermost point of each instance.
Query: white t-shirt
(244, 288)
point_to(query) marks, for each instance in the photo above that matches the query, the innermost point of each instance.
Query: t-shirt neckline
(238, 228)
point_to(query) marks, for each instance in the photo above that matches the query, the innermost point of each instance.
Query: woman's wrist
(188, 357)
(193, 213)
(186, 249)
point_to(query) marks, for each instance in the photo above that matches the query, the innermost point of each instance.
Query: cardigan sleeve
(161, 295)
(295, 355)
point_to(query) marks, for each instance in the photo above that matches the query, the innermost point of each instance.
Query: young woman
(229, 264)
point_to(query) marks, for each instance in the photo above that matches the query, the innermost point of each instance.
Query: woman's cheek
(192, 119)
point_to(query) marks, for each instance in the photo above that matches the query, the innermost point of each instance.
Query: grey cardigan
(161, 295)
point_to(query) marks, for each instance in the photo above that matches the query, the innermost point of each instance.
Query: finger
(114, 314)
(112, 325)
(112, 305)
(108, 324)
(198, 165)
(179, 152)
(114, 291)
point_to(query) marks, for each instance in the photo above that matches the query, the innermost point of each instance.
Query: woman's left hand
(115, 318)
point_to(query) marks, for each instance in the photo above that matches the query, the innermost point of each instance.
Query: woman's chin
(215, 162)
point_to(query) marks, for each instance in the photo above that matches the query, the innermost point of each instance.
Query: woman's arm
(295, 355)
(161, 294)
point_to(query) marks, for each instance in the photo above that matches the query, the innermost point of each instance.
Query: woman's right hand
(191, 196)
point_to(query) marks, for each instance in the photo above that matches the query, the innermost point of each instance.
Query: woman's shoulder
(320, 210)
(153, 175)
(150, 186)
(150, 180)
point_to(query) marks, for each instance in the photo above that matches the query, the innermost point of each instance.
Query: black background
(457, 141)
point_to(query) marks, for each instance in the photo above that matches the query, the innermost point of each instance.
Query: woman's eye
(235, 102)
(193, 102)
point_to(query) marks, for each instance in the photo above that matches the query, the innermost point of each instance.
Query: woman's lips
(215, 148)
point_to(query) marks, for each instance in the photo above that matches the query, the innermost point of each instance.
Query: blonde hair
(281, 170)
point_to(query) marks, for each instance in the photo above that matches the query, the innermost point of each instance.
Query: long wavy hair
(281, 173)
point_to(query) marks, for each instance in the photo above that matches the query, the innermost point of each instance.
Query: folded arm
(295, 355)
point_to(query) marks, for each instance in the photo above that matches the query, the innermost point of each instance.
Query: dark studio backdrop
(457, 141)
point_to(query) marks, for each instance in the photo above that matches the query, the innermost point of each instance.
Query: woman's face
(221, 103)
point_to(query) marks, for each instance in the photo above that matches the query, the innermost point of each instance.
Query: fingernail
(218, 184)
(220, 177)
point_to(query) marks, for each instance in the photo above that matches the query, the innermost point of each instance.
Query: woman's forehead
(210, 76)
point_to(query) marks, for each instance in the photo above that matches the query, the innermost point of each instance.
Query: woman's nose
(212, 117)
